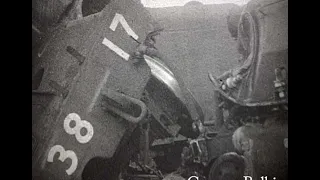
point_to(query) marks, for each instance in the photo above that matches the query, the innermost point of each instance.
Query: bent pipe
(120, 97)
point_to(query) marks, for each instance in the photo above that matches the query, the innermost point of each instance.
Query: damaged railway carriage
(96, 104)
(256, 92)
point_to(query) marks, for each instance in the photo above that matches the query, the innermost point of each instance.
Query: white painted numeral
(79, 125)
(116, 49)
(63, 155)
(118, 18)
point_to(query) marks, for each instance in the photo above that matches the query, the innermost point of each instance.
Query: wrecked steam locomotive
(105, 109)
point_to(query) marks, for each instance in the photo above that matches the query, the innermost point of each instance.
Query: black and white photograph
(159, 89)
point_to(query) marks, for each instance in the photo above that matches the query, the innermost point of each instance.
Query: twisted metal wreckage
(108, 106)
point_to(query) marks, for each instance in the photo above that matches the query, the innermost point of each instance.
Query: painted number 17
(118, 18)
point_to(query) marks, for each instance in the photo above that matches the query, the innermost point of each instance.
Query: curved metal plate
(163, 73)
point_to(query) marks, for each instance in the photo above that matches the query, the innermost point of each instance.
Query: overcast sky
(168, 3)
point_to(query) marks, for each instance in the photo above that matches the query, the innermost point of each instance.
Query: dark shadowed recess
(93, 6)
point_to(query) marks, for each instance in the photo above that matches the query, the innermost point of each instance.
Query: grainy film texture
(159, 89)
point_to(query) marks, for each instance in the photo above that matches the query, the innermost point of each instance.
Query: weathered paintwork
(269, 51)
(83, 82)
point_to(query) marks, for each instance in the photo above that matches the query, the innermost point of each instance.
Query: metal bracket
(225, 95)
(124, 100)
(196, 150)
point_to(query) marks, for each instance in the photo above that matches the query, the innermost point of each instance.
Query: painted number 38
(80, 124)
(73, 117)
(68, 154)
